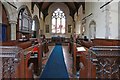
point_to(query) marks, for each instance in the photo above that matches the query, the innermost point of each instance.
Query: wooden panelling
(107, 61)
(86, 43)
(27, 66)
(106, 42)
(100, 42)
(23, 45)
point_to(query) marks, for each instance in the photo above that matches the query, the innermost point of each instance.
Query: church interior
(43, 39)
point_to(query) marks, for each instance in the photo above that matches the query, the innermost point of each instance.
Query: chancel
(73, 39)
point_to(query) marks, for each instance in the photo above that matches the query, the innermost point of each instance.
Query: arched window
(33, 25)
(58, 21)
(25, 21)
(24, 26)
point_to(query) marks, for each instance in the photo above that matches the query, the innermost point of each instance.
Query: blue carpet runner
(55, 67)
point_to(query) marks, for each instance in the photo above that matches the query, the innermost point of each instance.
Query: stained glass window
(58, 21)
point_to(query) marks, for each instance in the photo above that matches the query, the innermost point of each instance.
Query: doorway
(92, 30)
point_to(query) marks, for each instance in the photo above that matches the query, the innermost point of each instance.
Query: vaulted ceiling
(73, 7)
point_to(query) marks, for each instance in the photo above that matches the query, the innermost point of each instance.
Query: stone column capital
(12, 22)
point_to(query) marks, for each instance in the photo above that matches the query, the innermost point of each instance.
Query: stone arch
(37, 25)
(21, 22)
(92, 23)
(53, 7)
(92, 29)
(24, 7)
(5, 26)
(11, 13)
(62, 6)
(80, 10)
(7, 12)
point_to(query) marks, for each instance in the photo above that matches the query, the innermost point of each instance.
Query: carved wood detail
(107, 61)
(108, 67)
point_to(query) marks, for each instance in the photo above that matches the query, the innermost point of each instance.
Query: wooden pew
(74, 58)
(26, 64)
(72, 50)
(90, 71)
(107, 61)
(44, 41)
(70, 47)
(100, 42)
(9, 59)
(86, 44)
(87, 68)
(106, 42)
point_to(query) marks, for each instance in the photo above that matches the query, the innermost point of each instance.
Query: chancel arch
(48, 19)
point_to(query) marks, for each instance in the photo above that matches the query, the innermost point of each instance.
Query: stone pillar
(13, 30)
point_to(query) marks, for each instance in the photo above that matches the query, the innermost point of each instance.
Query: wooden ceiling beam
(72, 7)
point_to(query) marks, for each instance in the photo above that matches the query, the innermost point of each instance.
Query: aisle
(55, 67)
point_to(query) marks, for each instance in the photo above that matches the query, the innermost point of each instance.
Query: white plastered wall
(106, 19)
(98, 16)
(113, 20)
